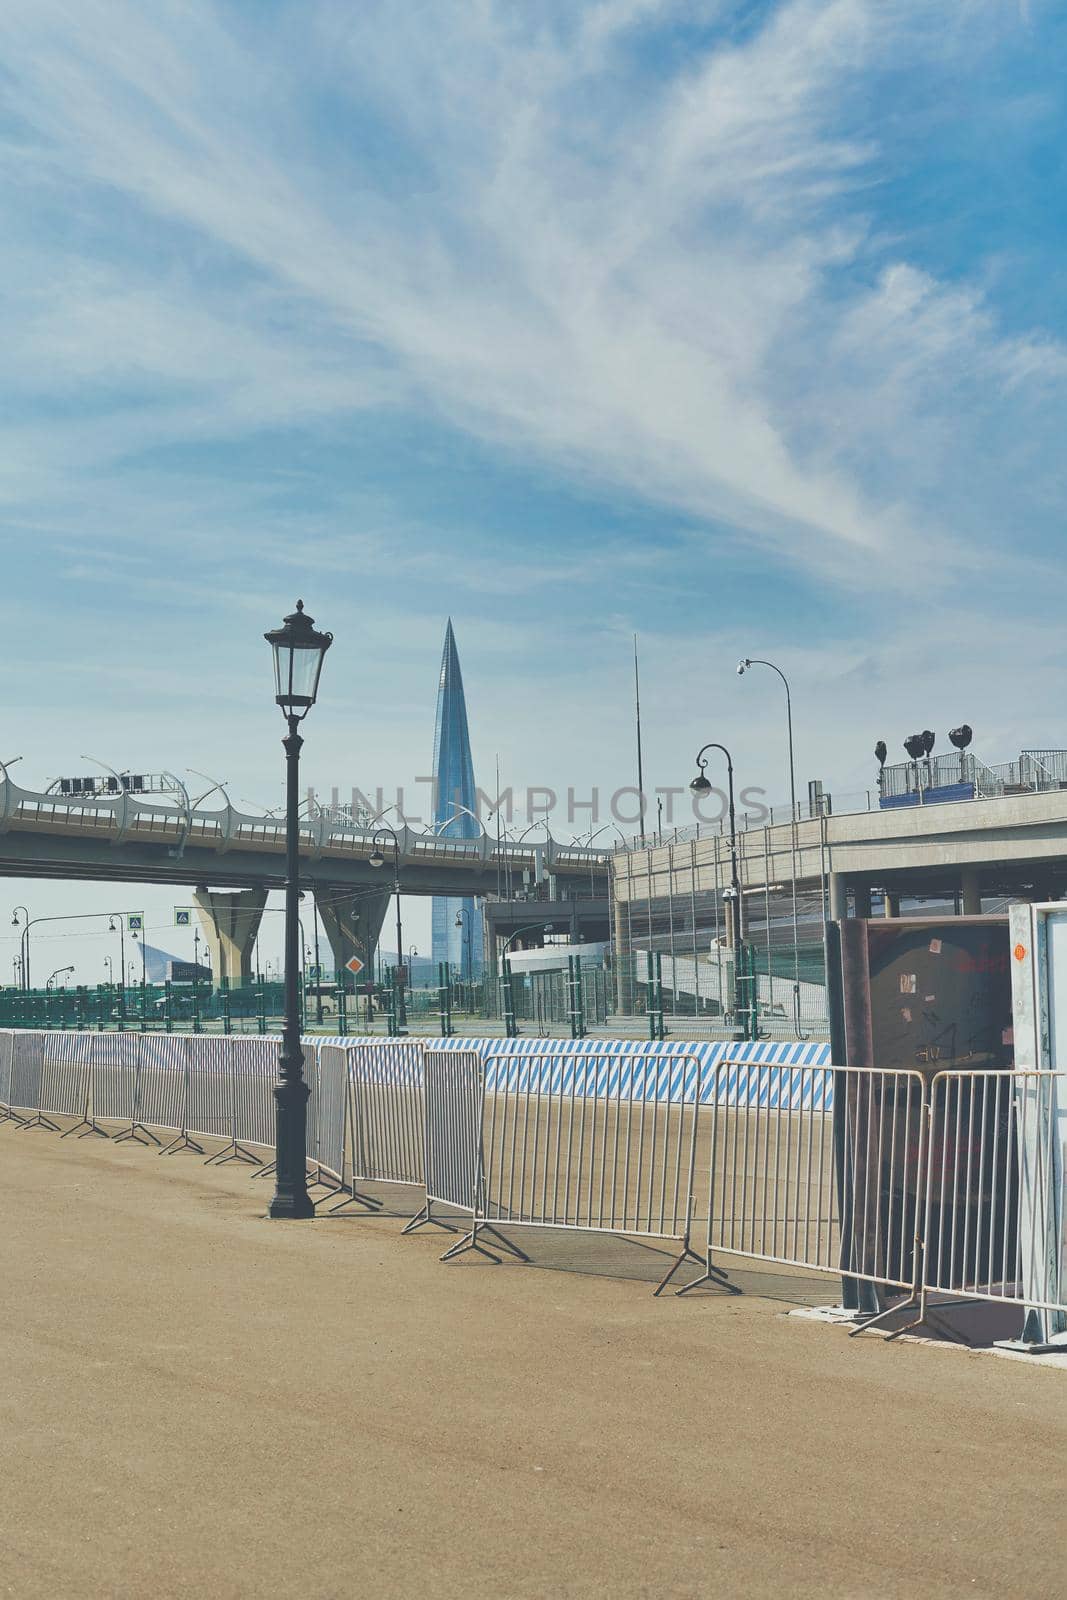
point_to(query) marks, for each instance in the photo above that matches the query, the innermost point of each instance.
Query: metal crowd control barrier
(603, 1143)
(210, 1107)
(7, 1050)
(50, 1076)
(994, 1222)
(387, 1109)
(116, 1070)
(836, 1191)
(162, 1081)
(182, 1139)
(255, 1072)
(453, 1107)
(328, 1122)
(955, 1189)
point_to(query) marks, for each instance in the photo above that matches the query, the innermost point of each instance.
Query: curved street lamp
(700, 785)
(24, 954)
(510, 1026)
(464, 919)
(299, 652)
(376, 859)
(742, 667)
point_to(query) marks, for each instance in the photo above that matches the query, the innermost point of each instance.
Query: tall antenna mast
(640, 766)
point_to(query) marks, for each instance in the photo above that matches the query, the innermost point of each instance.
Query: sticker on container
(935, 947)
(909, 983)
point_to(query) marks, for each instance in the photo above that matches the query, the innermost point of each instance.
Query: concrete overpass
(1008, 846)
(232, 859)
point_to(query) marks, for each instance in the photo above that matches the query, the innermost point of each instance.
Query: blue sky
(738, 325)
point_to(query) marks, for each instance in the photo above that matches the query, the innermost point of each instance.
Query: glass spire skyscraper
(453, 790)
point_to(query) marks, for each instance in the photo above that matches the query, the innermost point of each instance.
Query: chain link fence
(672, 903)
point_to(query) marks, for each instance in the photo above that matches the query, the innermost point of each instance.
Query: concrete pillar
(971, 887)
(230, 922)
(838, 897)
(863, 900)
(353, 923)
(891, 908)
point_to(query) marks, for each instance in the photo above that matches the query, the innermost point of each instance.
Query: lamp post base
(291, 1198)
(294, 1206)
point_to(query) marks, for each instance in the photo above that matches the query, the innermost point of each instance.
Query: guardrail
(952, 1186)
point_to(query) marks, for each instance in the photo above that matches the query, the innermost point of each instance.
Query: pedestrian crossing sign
(183, 916)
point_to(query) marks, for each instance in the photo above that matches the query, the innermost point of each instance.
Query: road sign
(135, 922)
(355, 965)
(183, 917)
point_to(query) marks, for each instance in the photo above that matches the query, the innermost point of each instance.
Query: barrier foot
(39, 1120)
(331, 1184)
(232, 1152)
(13, 1116)
(90, 1127)
(265, 1171)
(469, 1241)
(716, 1277)
(487, 1227)
(686, 1255)
(357, 1199)
(927, 1318)
(423, 1218)
(182, 1142)
(138, 1133)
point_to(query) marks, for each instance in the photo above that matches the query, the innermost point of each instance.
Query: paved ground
(195, 1399)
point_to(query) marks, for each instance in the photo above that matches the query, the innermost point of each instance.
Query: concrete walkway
(196, 1400)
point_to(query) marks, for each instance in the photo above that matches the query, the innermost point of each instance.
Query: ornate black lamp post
(376, 859)
(298, 656)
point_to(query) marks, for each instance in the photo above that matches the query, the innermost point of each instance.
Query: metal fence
(673, 905)
(994, 1220)
(816, 1167)
(949, 1187)
(602, 1143)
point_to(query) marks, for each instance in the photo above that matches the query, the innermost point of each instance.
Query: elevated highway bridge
(232, 858)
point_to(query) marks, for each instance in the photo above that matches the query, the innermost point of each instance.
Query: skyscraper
(454, 797)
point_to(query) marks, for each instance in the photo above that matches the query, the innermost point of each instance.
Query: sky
(737, 325)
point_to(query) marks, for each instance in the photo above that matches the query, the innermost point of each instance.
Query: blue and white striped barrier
(549, 1066)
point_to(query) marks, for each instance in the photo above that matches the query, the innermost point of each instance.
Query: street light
(376, 859)
(23, 943)
(122, 962)
(58, 973)
(299, 652)
(510, 1025)
(463, 919)
(700, 786)
(529, 928)
(756, 661)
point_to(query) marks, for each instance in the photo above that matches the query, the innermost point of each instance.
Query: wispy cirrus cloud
(637, 242)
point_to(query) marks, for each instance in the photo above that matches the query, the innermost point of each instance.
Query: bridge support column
(891, 906)
(971, 886)
(230, 922)
(863, 900)
(838, 897)
(353, 922)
